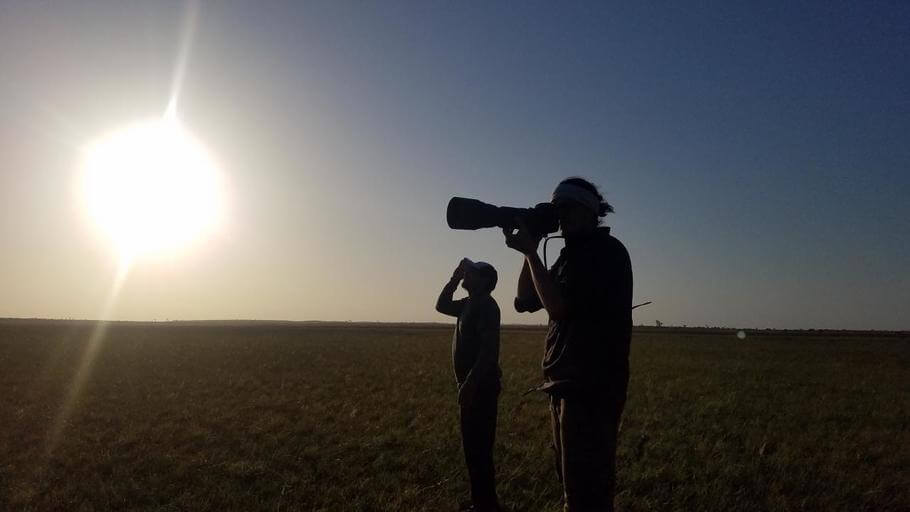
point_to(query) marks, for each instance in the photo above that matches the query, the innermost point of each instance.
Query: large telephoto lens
(464, 213)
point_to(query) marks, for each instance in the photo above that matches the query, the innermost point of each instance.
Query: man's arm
(445, 304)
(546, 288)
(544, 285)
(526, 299)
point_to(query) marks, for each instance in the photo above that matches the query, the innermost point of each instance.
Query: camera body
(464, 213)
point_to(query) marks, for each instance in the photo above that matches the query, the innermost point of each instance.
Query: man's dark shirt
(476, 315)
(590, 347)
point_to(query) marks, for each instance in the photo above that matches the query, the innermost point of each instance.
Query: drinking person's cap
(483, 268)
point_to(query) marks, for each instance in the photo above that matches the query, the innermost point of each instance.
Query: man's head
(479, 278)
(579, 206)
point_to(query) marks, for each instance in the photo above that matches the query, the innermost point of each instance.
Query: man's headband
(581, 195)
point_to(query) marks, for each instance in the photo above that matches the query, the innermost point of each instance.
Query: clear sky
(757, 153)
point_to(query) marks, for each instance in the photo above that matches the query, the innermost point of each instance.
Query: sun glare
(152, 186)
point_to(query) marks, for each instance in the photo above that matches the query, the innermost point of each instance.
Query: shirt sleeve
(532, 304)
(453, 308)
(528, 304)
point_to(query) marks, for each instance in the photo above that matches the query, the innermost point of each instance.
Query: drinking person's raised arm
(445, 304)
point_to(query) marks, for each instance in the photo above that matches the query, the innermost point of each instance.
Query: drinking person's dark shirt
(477, 331)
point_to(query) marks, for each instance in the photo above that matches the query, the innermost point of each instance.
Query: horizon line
(444, 324)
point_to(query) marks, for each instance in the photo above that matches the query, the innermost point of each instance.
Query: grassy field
(327, 417)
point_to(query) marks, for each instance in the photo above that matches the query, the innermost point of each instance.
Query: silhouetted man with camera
(588, 297)
(475, 355)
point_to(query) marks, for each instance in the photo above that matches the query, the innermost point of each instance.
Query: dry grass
(304, 417)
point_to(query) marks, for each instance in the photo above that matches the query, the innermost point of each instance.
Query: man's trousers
(478, 434)
(585, 431)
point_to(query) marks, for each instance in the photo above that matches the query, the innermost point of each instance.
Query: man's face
(574, 218)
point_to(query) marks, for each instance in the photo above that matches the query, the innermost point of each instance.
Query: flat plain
(325, 417)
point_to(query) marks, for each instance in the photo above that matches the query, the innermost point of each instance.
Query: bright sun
(152, 186)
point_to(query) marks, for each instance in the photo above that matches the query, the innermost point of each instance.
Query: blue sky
(758, 155)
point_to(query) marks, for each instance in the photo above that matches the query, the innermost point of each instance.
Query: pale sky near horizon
(757, 155)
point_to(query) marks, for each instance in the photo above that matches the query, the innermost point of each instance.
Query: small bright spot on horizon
(741, 335)
(151, 186)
